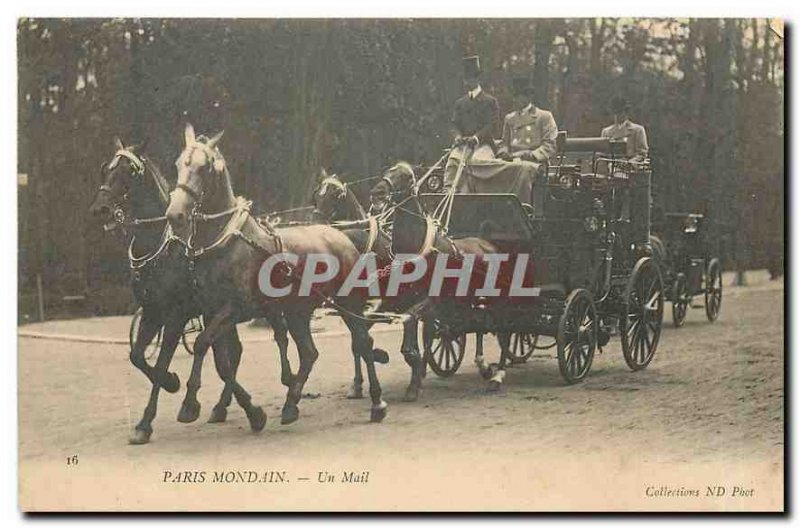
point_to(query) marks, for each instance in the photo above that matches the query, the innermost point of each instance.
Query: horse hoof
(258, 419)
(189, 412)
(489, 371)
(172, 383)
(139, 437)
(289, 415)
(378, 413)
(494, 386)
(355, 393)
(411, 395)
(380, 356)
(218, 415)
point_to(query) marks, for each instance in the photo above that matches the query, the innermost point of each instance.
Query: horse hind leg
(483, 368)
(356, 391)
(224, 364)
(361, 339)
(498, 371)
(280, 334)
(299, 324)
(410, 351)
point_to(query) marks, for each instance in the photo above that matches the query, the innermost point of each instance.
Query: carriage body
(586, 227)
(687, 265)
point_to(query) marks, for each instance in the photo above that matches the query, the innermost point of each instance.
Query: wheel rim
(522, 346)
(577, 336)
(444, 351)
(713, 295)
(644, 310)
(679, 301)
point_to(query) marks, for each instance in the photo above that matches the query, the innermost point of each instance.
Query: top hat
(619, 104)
(522, 85)
(472, 67)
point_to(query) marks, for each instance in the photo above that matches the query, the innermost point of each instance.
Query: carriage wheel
(680, 300)
(154, 345)
(522, 346)
(444, 351)
(713, 290)
(577, 336)
(640, 324)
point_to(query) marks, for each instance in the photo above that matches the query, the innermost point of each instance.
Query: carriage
(586, 226)
(687, 265)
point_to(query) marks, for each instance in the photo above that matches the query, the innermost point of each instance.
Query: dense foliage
(355, 95)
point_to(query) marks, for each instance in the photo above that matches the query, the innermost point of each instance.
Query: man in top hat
(624, 128)
(529, 133)
(476, 118)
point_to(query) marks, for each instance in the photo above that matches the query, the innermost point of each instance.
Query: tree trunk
(543, 39)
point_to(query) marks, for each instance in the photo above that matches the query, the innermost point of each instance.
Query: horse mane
(407, 168)
(162, 184)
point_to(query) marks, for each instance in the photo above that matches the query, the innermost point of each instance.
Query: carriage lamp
(435, 183)
(119, 215)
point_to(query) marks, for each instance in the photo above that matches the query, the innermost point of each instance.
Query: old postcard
(435, 264)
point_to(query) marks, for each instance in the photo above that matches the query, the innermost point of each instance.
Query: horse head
(123, 180)
(397, 184)
(329, 197)
(203, 181)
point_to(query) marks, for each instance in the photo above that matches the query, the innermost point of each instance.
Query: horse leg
(299, 324)
(357, 389)
(224, 325)
(220, 411)
(480, 362)
(359, 332)
(190, 408)
(144, 429)
(498, 371)
(280, 334)
(148, 328)
(410, 350)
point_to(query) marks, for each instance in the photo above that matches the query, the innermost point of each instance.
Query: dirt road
(706, 415)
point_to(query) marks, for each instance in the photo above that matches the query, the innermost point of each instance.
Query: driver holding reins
(476, 118)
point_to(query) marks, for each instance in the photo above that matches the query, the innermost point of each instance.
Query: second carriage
(586, 227)
(687, 264)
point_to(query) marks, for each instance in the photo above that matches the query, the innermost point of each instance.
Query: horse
(229, 248)
(132, 200)
(420, 236)
(335, 202)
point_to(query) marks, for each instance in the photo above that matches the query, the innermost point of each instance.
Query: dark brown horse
(419, 235)
(229, 248)
(335, 202)
(131, 201)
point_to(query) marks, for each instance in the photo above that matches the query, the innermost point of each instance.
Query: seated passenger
(624, 128)
(529, 133)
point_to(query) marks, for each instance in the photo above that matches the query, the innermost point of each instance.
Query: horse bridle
(213, 162)
(394, 192)
(341, 192)
(138, 169)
